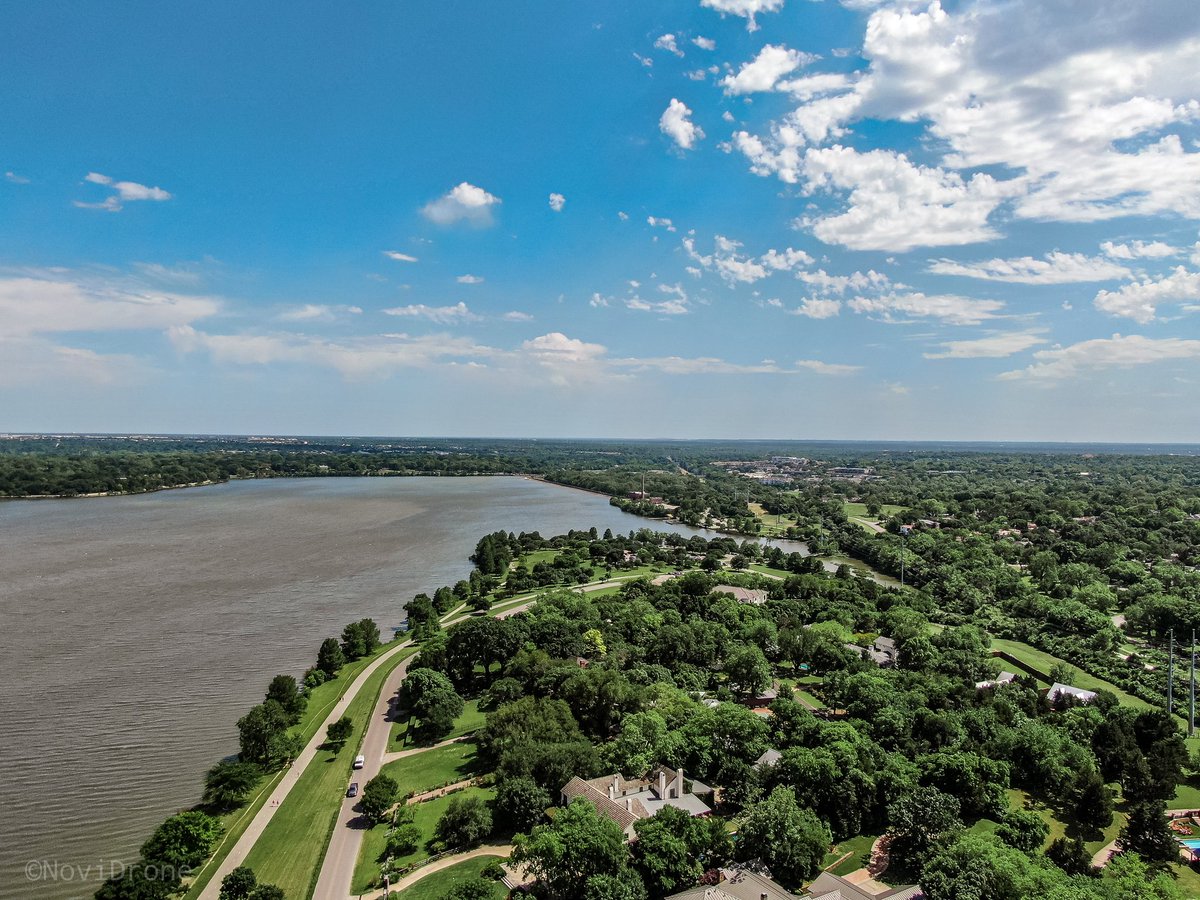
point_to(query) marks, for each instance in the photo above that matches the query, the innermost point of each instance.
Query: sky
(802, 219)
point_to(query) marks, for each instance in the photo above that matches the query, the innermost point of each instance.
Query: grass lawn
(860, 510)
(437, 884)
(859, 849)
(810, 699)
(1187, 795)
(433, 768)
(529, 560)
(320, 701)
(290, 851)
(1019, 799)
(1042, 661)
(470, 720)
(1187, 880)
(366, 871)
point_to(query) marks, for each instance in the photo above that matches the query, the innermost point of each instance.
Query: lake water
(135, 631)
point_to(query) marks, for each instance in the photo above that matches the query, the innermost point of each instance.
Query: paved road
(241, 849)
(337, 870)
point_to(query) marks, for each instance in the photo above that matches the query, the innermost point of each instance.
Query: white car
(360, 761)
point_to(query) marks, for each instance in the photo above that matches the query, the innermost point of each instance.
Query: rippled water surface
(135, 631)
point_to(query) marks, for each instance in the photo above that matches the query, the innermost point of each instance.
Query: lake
(135, 631)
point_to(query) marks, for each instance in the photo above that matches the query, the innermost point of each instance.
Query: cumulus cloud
(659, 222)
(1116, 352)
(517, 316)
(762, 73)
(992, 347)
(859, 282)
(949, 309)
(676, 303)
(125, 192)
(747, 9)
(1076, 114)
(469, 279)
(704, 43)
(1140, 250)
(318, 312)
(667, 42)
(443, 315)
(818, 308)
(676, 124)
(464, 203)
(1054, 268)
(1140, 300)
(733, 266)
(398, 256)
(31, 305)
(557, 201)
(15, 178)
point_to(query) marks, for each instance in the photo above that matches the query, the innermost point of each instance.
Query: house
(834, 887)
(882, 652)
(1059, 692)
(736, 884)
(626, 801)
(1002, 678)
(768, 759)
(754, 597)
(761, 699)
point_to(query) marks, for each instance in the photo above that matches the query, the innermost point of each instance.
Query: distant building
(834, 887)
(883, 652)
(627, 801)
(1059, 692)
(768, 759)
(1002, 678)
(736, 884)
(752, 596)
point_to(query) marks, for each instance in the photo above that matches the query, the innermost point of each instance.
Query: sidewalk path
(501, 850)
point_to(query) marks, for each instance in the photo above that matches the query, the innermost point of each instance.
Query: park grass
(859, 849)
(437, 884)
(529, 560)
(1187, 880)
(425, 817)
(859, 510)
(1043, 662)
(472, 719)
(291, 849)
(1187, 795)
(433, 768)
(1019, 799)
(321, 700)
(810, 699)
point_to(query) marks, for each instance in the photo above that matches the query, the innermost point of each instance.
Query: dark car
(352, 791)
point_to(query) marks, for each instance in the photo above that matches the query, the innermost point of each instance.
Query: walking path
(501, 850)
(413, 751)
(237, 855)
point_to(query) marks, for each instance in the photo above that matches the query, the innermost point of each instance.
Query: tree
(521, 803)
(238, 884)
(614, 887)
(229, 782)
(1023, 829)
(748, 670)
(1147, 834)
(466, 822)
(339, 732)
(919, 819)
(286, 692)
(790, 840)
(183, 841)
(403, 839)
(330, 658)
(360, 638)
(662, 853)
(263, 737)
(1071, 855)
(140, 882)
(577, 846)
(379, 796)
(1093, 802)
(267, 892)
(474, 889)
(430, 697)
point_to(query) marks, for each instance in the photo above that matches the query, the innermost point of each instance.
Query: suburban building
(768, 759)
(1002, 678)
(625, 801)
(752, 596)
(882, 652)
(736, 884)
(834, 887)
(1059, 692)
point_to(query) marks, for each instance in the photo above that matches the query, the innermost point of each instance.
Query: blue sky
(702, 218)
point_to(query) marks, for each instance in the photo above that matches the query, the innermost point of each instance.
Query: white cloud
(398, 256)
(517, 316)
(747, 9)
(860, 282)
(557, 201)
(317, 312)
(622, 215)
(675, 305)
(733, 267)
(1055, 268)
(15, 178)
(816, 308)
(992, 347)
(676, 124)
(667, 42)
(704, 43)
(659, 222)
(824, 368)
(469, 279)
(184, 273)
(947, 308)
(464, 203)
(42, 306)
(1140, 300)
(761, 74)
(895, 205)
(646, 61)
(1140, 250)
(1116, 352)
(598, 300)
(126, 191)
(443, 315)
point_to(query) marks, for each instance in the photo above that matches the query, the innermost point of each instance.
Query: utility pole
(1171, 674)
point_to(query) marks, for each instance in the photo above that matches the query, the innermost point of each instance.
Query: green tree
(918, 820)
(183, 841)
(1147, 834)
(662, 853)
(229, 783)
(748, 670)
(1093, 802)
(466, 822)
(140, 882)
(577, 846)
(790, 840)
(263, 736)
(330, 657)
(360, 638)
(339, 732)
(267, 892)
(1071, 855)
(286, 692)
(238, 884)
(520, 804)
(430, 697)
(403, 839)
(614, 887)
(1023, 829)
(379, 796)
